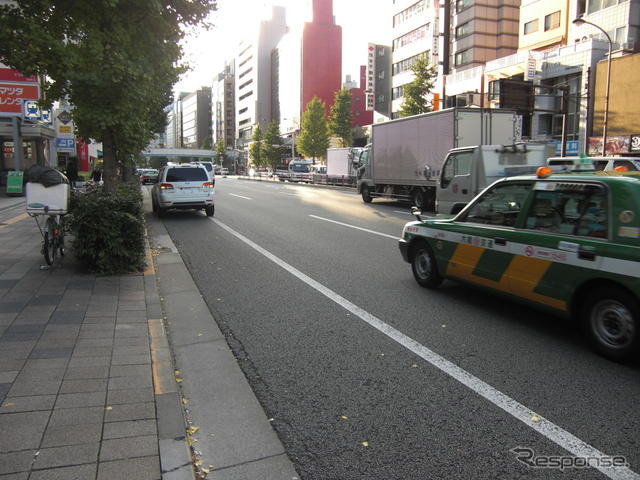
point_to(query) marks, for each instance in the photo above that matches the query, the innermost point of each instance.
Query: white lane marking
(240, 196)
(541, 425)
(400, 211)
(287, 193)
(395, 237)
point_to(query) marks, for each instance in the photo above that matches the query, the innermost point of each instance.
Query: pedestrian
(96, 176)
(72, 172)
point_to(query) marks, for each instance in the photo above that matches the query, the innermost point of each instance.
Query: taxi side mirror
(416, 212)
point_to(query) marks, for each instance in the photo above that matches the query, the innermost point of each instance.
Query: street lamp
(581, 21)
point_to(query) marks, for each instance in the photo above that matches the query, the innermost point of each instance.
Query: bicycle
(52, 232)
(50, 202)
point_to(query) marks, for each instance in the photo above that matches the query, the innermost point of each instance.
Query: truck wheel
(418, 198)
(424, 266)
(366, 194)
(611, 319)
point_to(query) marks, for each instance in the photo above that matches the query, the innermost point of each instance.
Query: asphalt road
(339, 344)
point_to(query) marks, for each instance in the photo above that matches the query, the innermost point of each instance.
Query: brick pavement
(76, 382)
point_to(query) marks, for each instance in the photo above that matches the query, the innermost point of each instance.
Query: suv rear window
(186, 174)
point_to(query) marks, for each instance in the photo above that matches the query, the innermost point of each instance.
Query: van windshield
(299, 167)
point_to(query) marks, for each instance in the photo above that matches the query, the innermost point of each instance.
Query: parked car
(185, 186)
(566, 243)
(148, 175)
(224, 171)
(209, 166)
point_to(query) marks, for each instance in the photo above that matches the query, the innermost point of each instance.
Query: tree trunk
(110, 167)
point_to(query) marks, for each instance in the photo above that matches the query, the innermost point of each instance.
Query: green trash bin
(14, 183)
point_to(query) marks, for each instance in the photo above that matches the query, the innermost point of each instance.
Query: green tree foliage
(116, 60)
(272, 145)
(314, 136)
(340, 119)
(220, 150)
(416, 92)
(255, 149)
(206, 145)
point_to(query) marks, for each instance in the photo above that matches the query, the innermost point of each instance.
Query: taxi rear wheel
(612, 323)
(424, 267)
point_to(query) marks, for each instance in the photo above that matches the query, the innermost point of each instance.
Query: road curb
(173, 441)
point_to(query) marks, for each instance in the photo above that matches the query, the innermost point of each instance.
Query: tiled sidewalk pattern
(76, 393)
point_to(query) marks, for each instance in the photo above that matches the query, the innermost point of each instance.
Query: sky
(362, 21)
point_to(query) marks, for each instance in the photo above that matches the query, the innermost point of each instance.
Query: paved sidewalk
(88, 386)
(78, 359)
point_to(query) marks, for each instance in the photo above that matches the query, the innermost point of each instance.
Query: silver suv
(184, 187)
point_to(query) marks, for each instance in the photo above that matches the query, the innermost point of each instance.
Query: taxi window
(499, 205)
(570, 209)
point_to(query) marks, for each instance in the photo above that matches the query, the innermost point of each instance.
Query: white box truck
(340, 167)
(405, 156)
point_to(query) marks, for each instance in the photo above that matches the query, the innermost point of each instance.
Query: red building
(360, 116)
(321, 56)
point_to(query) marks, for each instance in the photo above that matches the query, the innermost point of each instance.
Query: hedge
(109, 230)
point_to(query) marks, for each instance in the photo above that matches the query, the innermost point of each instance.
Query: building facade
(196, 119)
(321, 74)
(253, 77)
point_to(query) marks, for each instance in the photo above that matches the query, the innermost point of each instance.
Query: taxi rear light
(165, 186)
(543, 172)
(210, 184)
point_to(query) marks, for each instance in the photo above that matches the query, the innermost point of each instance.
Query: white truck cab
(467, 171)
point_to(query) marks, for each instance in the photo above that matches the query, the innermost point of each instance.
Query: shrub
(109, 229)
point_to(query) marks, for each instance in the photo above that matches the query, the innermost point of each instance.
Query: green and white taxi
(566, 243)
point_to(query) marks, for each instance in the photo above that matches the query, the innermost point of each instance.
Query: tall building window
(411, 37)
(552, 21)
(408, 13)
(404, 65)
(463, 57)
(595, 5)
(464, 30)
(531, 27)
(462, 4)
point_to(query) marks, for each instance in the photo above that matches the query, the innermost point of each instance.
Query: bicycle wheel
(50, 246)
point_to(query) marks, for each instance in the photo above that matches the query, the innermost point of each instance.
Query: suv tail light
(165, 186)
(210, 184)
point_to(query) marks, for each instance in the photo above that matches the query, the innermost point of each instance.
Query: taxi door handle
(586, 255)
(500, 241)
(465, 191)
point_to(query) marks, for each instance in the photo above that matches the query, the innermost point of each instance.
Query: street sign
(14, 181)
(12, 95)
(64, 117)
(45, 116)
(10, 75)
(31, 110)
(66, 144)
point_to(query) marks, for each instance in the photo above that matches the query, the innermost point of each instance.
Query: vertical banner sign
(531, 68)
(371, 68)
